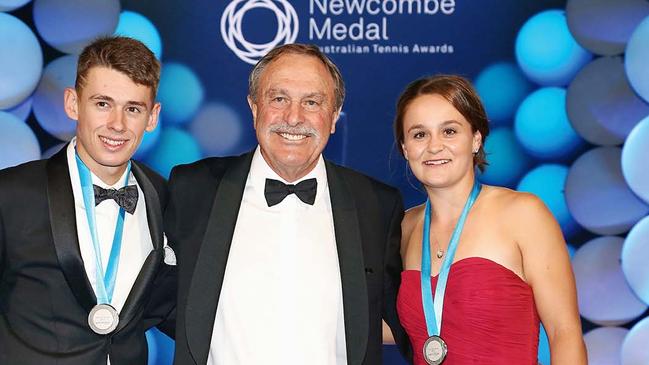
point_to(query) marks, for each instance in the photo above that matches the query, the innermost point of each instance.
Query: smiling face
(294, 114)
(112, 113)
(438, 141)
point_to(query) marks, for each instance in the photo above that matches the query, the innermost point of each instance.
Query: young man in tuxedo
(285, 258)
(81, 239)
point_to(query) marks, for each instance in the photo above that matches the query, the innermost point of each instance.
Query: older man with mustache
(284, 257)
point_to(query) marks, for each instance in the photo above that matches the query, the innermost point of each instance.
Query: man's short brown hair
(126, 55)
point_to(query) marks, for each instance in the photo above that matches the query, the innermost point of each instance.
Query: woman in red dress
(507, 267)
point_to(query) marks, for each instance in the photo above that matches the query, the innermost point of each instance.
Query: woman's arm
(548, 271)
(388, 337)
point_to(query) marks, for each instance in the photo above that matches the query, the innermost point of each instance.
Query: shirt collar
(71, 152)
(260, 171)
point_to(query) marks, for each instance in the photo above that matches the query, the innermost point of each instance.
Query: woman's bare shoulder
(512, 202)
(523, 212)
(411, 217)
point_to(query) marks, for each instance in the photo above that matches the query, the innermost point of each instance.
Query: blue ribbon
(105, 281)
(433, 310)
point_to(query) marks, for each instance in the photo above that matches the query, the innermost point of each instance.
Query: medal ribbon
(433, 310)
(105, 281)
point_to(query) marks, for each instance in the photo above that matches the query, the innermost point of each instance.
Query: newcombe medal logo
(287, 27)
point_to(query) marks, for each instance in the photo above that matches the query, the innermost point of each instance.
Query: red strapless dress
(489, 315)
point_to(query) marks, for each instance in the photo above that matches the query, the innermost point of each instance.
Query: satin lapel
(64, 229)
(206, 282)
(352, 268)
(153, 210)
(153, 260)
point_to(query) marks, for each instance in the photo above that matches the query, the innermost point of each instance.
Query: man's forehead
(109, 76)
(296, 69)
(115, 84)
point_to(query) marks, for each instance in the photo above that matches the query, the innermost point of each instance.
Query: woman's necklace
(440, 252)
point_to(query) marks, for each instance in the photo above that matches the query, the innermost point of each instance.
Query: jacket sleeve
(161, 307)
(392, 279)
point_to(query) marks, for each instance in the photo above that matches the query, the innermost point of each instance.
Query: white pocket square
(170, 255)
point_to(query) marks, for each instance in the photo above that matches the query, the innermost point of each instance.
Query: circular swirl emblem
(287, 27)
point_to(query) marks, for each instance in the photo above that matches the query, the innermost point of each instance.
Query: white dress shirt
(281, 299)
(136, 239)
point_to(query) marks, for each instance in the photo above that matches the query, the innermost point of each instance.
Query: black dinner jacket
(45, 295)
(204, 203)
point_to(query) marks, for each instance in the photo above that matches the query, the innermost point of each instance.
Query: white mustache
(285, 128)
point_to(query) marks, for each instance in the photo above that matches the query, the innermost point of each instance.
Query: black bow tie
(125, 197)
(276, 191)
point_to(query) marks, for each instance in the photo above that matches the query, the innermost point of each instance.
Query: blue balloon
(604, 297)
(546, 182)
(21, 110)
(634, 348)
(9, 5)
(544, 347)
(634, 259)
(571, 250)
(604, 26)
(137, 26)
(48, 98)
(542, 125)
(161, 347)
(152, 345)
(600, 103)
(604, 345)
(634, 160)
(502, 86)
(597, 195)
(546, 51)
(180, 92)
(149, 140)
(53, 150)
(18, 144)
(175, 147)
(636, 58)
(69, 25)
(21, 61)
(218, 129)
(507, 159)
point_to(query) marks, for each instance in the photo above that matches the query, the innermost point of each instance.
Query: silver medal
(103, 319)
(435, 350)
